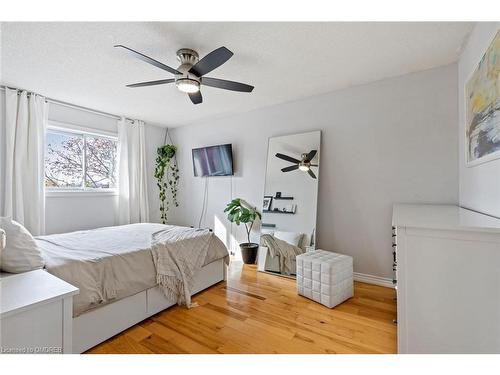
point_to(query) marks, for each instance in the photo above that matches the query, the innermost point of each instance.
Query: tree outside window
(75, 161)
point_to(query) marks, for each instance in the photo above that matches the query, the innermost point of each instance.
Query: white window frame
(68, 128)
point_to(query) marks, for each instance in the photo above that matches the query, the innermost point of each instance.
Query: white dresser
(36, 313)
(447, 272)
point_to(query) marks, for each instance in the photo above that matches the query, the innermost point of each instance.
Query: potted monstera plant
(238, 211)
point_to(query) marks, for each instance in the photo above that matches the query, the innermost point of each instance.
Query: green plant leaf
(166, 174)
(238, 211)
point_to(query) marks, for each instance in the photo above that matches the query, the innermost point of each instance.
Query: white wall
(479, 184)
(390, 141)
(2, 142)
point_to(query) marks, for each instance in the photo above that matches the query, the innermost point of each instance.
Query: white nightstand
(36, 313)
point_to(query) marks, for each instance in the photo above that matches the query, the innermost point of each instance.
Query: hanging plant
(167, 176)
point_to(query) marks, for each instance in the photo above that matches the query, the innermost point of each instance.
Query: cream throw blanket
(178, 254)
(285, 251)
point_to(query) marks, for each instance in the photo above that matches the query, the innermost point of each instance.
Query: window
(80, 161)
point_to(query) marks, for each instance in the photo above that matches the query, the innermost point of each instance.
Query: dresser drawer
(36, 312)
(38, 330)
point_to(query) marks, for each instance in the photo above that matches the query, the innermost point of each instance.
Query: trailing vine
(167, 176)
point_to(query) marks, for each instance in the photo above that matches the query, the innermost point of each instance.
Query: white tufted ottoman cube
(325, 277)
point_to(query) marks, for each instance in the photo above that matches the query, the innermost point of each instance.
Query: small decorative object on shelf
(278, 194)
(268, 201)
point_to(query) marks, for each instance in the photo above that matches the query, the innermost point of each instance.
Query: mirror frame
(260, 256)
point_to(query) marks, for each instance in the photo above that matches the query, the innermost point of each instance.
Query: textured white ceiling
(76, 62)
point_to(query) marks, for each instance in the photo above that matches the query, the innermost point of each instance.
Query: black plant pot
(249, 252)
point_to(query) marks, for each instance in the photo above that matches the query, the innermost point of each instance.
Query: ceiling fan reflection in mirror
(190, 74)
(304, 164)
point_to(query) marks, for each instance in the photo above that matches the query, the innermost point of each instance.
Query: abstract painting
(483, 107)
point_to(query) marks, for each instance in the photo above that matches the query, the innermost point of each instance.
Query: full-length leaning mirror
(289, 202)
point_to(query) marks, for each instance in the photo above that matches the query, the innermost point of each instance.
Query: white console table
(448, 279)
(36, 313)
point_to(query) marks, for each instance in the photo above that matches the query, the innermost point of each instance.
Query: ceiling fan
(304, 164)
(190, 74)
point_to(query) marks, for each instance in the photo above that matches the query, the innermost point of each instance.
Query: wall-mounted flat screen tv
(213, 161)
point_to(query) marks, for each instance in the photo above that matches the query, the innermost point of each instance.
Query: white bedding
(108, 264)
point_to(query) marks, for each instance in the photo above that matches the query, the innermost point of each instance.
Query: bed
(114, 269)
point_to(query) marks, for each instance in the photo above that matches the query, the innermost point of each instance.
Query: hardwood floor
(259, 313)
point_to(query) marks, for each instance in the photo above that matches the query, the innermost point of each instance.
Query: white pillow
(292, 238)
(21, 252)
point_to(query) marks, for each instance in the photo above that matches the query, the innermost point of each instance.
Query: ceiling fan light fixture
(188, 85)
(191, 72)
(303, 167)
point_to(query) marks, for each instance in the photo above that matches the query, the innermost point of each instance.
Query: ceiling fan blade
(149, 60)
(291, 168)
(310, 155)
(226, 85)
(152, 83)
(196, 97)
(311, 173)
(211, 61)
(287, 158)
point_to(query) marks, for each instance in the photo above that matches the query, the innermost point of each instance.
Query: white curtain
(133, 189)
(23, 177)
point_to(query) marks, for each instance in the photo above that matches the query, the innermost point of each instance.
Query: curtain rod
(70, 105)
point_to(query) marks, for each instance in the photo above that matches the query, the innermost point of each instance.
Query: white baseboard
(375, 280)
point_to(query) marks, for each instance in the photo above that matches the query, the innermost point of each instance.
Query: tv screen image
(213, 161)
